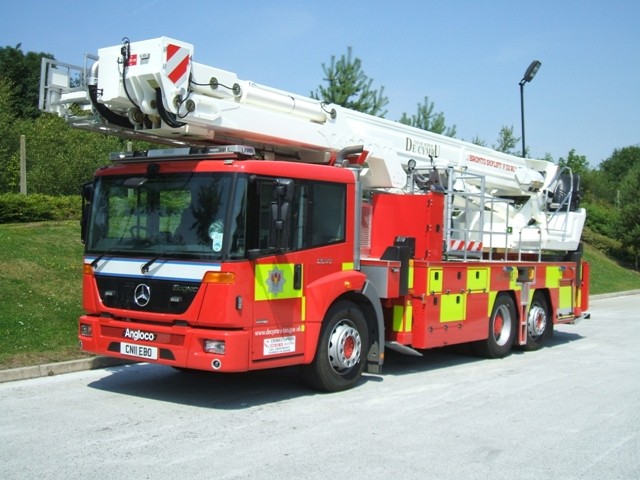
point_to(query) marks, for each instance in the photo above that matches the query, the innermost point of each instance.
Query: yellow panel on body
(275, 282)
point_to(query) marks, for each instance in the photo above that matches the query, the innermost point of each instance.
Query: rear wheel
(342, 349)
(502, 329)
(539, 323)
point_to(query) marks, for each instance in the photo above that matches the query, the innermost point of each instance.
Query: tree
(60, 158)
(507, 141)
(630, 211)
(621, 162)
(577, 163)
(602, 217)
(427, 120)
(612, 171)
(350, 87)
(612, 200)
(23, 71)
(9, 140)
(479, 141)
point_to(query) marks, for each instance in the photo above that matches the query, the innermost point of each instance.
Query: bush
(609, 246)
(15, 207)
(603, 218)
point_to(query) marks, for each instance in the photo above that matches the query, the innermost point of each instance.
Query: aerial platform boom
(154, 90)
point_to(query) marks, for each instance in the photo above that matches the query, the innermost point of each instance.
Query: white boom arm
(154, 90)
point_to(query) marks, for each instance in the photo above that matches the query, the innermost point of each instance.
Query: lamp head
(531, 71)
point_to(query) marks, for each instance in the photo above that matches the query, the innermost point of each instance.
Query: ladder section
(478, 225)
(464, 216)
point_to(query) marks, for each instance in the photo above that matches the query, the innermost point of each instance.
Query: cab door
(299, 222)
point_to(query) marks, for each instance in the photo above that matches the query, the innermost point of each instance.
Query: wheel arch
(514, 298)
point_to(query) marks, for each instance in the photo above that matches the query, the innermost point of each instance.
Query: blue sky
(466, 56)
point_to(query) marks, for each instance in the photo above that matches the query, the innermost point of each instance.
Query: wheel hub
(497, 326)
(537, 321)
(345, 347)
(502, 326)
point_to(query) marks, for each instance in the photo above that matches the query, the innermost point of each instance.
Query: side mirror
(87, 198)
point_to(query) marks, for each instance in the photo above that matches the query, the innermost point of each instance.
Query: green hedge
(609, 246)
(606, 245)
(16, 208)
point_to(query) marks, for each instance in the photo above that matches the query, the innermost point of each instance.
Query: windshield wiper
(95, 261)
(145, 268)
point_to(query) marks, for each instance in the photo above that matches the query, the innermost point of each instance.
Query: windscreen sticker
(215, 233)
(216, 245)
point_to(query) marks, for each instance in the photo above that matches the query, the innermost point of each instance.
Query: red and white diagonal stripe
(177, 63)
(461, 245)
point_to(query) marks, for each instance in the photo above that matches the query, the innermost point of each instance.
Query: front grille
(158, 296)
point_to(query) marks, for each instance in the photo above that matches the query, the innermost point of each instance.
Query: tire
(502, 329)
(539, 323)
(342, 349)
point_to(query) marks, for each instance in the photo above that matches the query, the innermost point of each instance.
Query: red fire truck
(279, 230)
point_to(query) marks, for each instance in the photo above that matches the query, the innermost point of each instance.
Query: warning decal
(177, 63)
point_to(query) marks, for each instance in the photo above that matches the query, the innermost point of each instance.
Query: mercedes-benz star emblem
(142, 295)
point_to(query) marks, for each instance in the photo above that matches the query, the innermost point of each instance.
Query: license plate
(140, 351)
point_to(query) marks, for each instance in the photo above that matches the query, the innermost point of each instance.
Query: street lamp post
(528, 76)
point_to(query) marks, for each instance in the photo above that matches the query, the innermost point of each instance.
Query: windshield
(191, 215)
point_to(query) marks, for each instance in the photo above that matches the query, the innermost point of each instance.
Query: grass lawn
(40, 292)
(607, 276)
(41, 297)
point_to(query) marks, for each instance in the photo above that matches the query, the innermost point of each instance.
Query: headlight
(214, 346)
(85, 330)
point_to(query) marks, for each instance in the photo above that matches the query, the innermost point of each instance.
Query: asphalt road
(569, 411)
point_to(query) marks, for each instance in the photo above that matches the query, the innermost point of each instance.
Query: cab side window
(327, 214)
(317, 214)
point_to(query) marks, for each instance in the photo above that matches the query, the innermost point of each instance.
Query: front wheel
(342, 349)
(502, 329)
